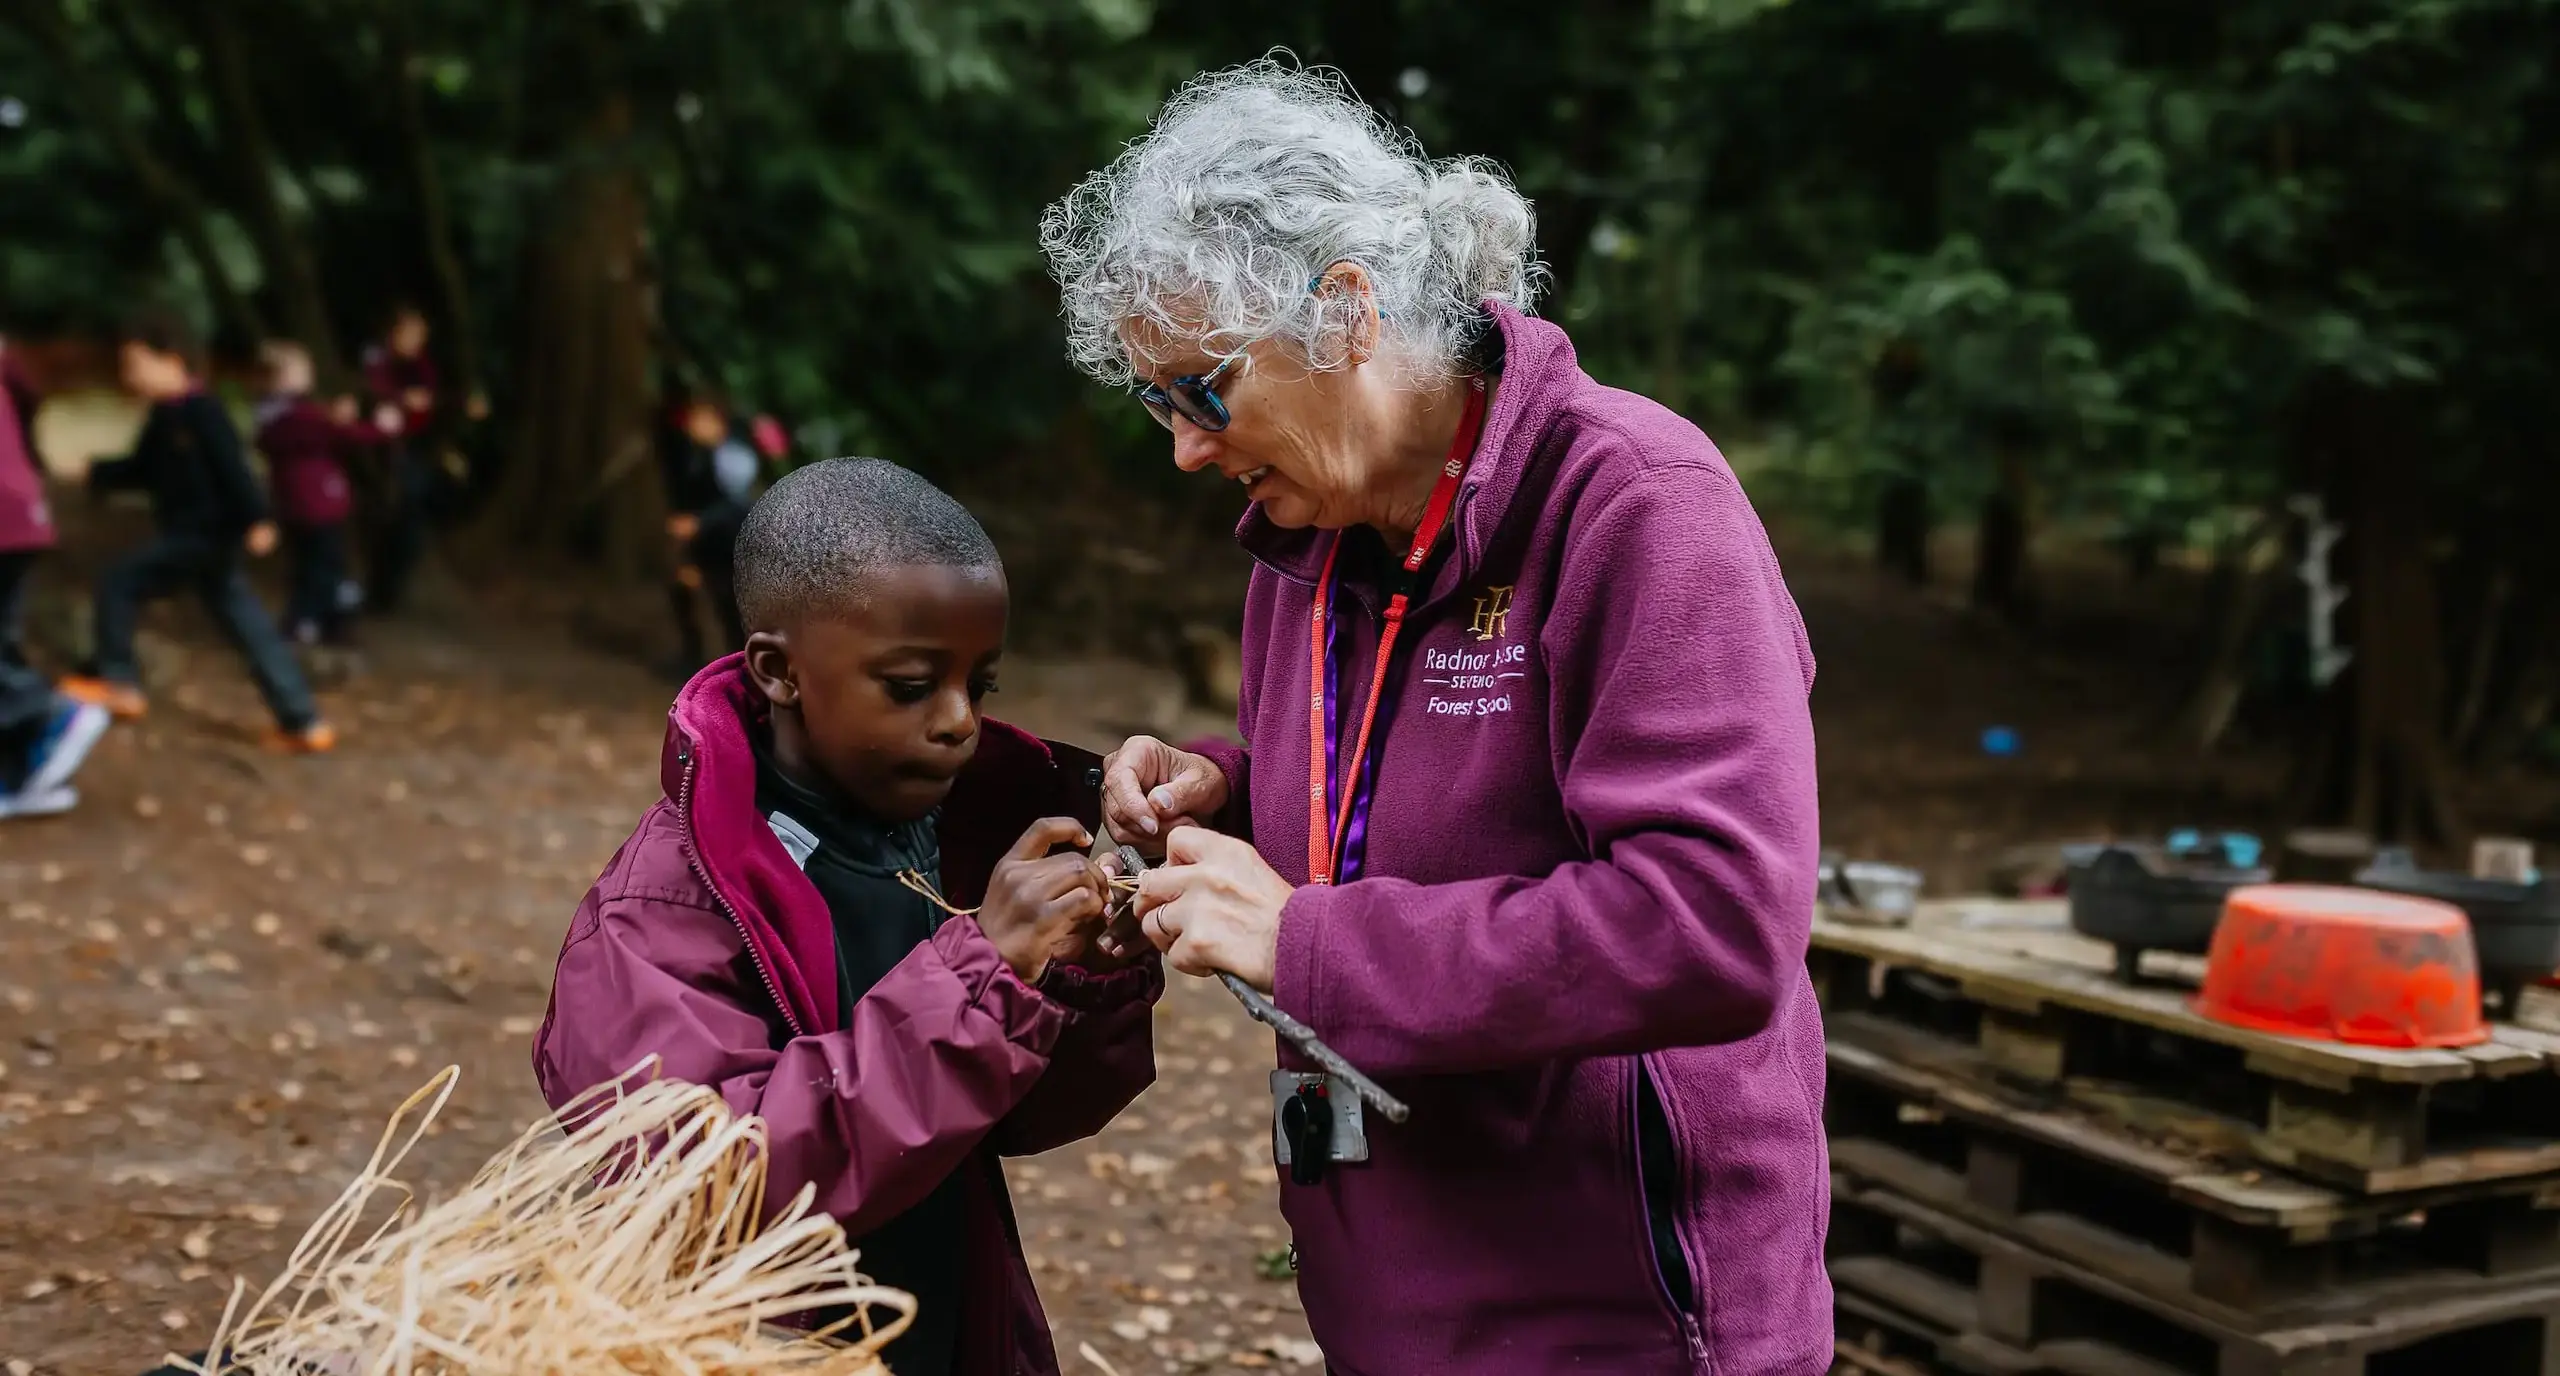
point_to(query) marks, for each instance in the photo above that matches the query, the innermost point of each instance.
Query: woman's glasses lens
(1194, 398)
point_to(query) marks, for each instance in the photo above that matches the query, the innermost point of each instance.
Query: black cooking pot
(2515, 926)
(2142, 898)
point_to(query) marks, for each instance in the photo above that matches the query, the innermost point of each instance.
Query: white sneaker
(75, 731)
(31, 803)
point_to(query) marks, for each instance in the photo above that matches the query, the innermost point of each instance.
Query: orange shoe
(123, 701)
(319, 738)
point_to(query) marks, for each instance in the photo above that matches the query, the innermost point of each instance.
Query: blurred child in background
(711, 474)
(398, 372)
(210, 515)
(308, 446)
(44, 736)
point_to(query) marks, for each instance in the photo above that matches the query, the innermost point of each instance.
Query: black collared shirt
(854, 862)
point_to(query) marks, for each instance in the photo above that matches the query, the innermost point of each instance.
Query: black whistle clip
(1307, 1121)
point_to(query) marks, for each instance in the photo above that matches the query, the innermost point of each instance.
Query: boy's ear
(769, 665)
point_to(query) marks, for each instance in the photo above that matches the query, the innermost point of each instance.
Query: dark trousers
(209, 567)
(312, 609)
(712, 553)
(400, 531)
(26, 696)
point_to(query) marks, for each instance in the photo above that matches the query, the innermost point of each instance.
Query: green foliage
(2125, 241)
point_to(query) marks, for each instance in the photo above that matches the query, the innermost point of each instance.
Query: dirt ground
(222, 972)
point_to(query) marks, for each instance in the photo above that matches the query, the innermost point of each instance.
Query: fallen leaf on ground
(1294, 1351)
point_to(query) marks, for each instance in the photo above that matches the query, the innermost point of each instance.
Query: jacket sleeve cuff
(1305, 920)
(1085, 991)
(994, 991)
(1236, 763)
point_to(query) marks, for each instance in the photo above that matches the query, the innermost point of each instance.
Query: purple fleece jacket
(1592, 847)
(702, 943)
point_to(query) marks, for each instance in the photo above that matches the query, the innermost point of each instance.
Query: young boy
(755, 936)
(710, 477)
(307, 447)
(210, 513)
(44, 737)
(398, 372)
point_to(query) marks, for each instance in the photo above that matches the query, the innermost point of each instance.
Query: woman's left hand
(1214, 905)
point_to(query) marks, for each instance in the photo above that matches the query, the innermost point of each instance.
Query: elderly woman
(1524, 821)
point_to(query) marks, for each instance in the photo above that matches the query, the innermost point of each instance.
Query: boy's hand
(262, 539)
(1123, 941)
(1041, 906)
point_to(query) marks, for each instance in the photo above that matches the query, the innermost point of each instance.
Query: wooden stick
(1296, 1033)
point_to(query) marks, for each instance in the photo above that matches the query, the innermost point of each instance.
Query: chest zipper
(693, 857)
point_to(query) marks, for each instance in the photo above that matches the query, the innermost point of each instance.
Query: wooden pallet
(2040, 1004)
(1868, 1339)
(2173, 1222)
(1993, 1305)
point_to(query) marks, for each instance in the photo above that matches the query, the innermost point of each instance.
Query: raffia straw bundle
(620, 1237)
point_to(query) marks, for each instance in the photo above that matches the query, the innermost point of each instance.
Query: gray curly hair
(1215, 225)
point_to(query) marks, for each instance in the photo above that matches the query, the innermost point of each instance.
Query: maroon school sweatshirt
(1588, 867)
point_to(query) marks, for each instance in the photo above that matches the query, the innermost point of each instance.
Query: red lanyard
(1324, 824)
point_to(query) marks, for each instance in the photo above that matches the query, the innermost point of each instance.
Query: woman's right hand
(1149, 788)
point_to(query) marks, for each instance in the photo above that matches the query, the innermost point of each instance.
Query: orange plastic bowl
(2344, 965)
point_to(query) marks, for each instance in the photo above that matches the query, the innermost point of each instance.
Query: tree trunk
(2375, 762)
(2141, 554)
(250, 158)
(1674, 249)
(2532, 700)
(2244, 589)
(2487, 653)
(2000, 541)
(1902, 529)
(578, 445)
(435, 221)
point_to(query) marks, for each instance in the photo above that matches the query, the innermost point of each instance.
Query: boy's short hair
(162, 332)
(813, 535)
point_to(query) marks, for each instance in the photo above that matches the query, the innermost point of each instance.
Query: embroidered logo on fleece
(1493, 614)
(1469, 682)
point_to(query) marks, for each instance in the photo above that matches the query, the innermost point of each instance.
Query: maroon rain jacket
(703, 944)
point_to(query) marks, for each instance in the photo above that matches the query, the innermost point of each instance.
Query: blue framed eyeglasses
(1193, 396)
